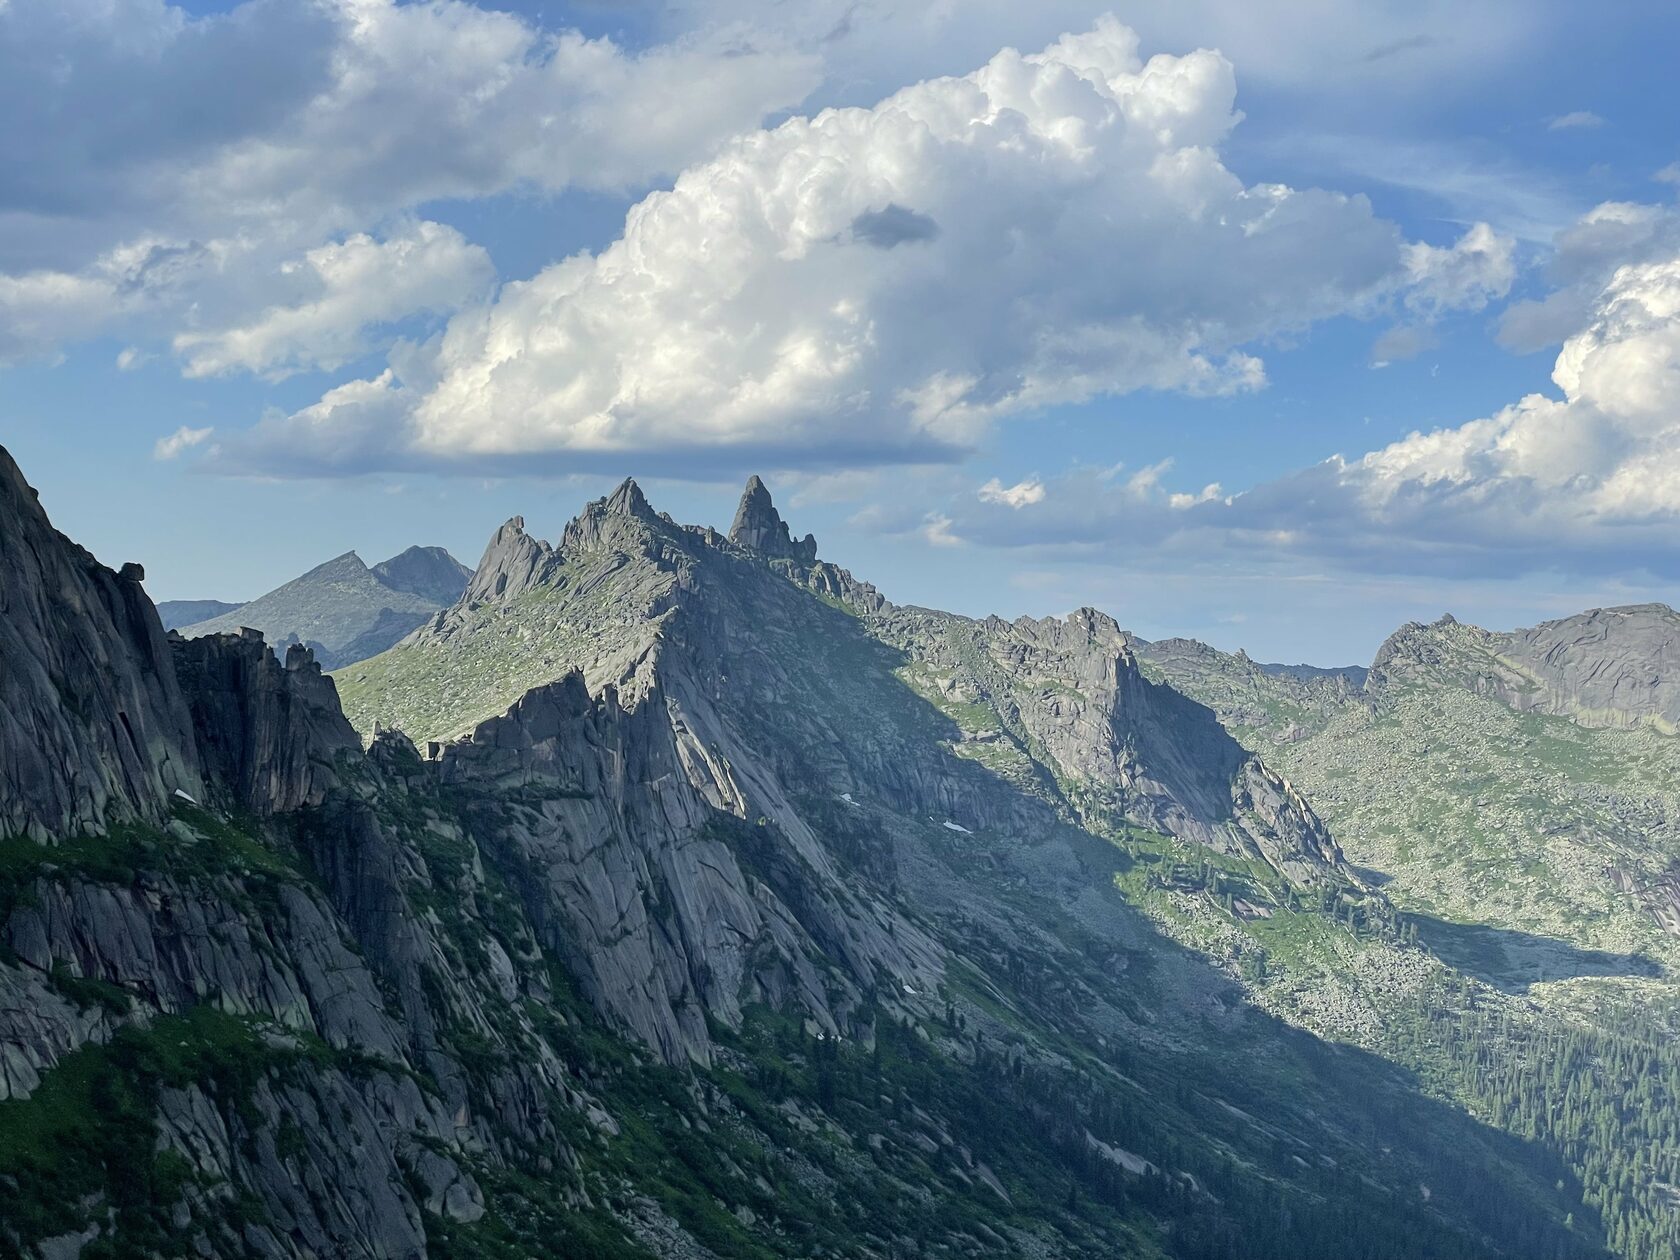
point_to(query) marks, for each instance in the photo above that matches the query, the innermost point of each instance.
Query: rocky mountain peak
(759, 527)
(628, 500)
(510, 564)
(347, 565)
(430, 572)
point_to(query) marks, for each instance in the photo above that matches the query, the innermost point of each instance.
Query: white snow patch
(847, 797)
(189, 800)
(951, 826)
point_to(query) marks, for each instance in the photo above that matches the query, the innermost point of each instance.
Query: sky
(1271, 324)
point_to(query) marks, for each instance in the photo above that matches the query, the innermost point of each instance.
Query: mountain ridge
(345, 610)
(780, 921)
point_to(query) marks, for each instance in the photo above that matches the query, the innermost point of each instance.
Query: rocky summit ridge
(732, 911)
(343, 610)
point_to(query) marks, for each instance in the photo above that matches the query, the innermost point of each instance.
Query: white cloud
(936, 529)
(1297, 47)
(1062, 228)
(182, 439)
(1586, 255)
(40, 310)
(229, 143)
(1464, 276)
(1588, 480)
(1580, 119)
(342, 289)
(1016, 496)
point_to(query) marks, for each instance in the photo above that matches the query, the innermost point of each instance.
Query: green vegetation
(85, 1143)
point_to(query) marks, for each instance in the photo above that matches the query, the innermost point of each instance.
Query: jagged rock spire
(629, 500)
(759, 527)
(511, 563)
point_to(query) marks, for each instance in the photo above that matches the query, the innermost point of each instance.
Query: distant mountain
(429, 572)
(1355, 674)
(175, 613)
(346, 611)
(1521, 780)
(1617, 667)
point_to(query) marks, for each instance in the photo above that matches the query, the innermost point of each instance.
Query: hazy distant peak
(428, 571)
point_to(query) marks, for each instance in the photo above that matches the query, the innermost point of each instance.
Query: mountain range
(342, 610)
(673, 893)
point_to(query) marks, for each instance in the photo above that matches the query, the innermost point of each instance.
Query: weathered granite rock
(174, 945)
(1617, 667)
(759, 527)
(512, 562)
(38, 1026)
(95, 729)
(633, 831)
(269, 734)
(1604, 667)
(338, 1187)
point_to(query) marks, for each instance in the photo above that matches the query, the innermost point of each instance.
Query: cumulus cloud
(882, 284)
(1464, 276)
(1585, 257)
(1577, 481)
(1016, 496)
(342, 289)
(241, 140)
(182, 439)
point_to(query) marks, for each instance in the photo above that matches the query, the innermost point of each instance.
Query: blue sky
(1099, 353)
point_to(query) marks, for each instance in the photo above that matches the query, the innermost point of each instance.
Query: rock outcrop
(1603, 667)
(269, 735)
(759, 527)
(95, 729)
(1617, 667)
(511, 563)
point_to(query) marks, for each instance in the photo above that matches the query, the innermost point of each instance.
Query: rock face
(642, 871)
(95, 728)
(510, 565)
(1614, 667)
(343, 610)
(759, 527)
(1604, 667)
(268, 734)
